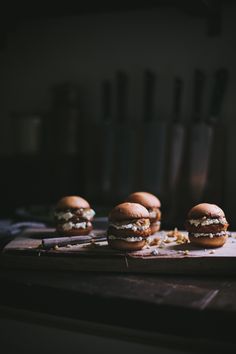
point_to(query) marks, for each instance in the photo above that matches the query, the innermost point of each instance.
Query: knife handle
(221, 78)
(149, 92)
(106, 100)
(177, 100)
(121, 91)
(199, 86)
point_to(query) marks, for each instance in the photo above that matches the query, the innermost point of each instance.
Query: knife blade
(125, 140)
(176, 138)
(106, 141)
(48, 243)
(153, 140)
(200, 142)
(215, 182)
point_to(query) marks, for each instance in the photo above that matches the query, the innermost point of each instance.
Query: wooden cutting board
(24, 252)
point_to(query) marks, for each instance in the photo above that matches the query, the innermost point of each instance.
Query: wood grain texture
(25, 253)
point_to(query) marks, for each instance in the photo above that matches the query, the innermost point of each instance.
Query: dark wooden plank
(171, 258)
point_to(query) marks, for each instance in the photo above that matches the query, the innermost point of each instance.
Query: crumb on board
(212, 251)
(56, 247)
(155, 252)
(155, 241)
(178, 237)
(186, 252)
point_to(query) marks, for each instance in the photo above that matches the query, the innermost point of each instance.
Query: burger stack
(73, 216)
(129, 227)
(152, 203)
(207, 225)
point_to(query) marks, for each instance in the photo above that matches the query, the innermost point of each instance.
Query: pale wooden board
(24, 252)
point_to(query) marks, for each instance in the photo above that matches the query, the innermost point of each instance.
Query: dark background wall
(41, 52)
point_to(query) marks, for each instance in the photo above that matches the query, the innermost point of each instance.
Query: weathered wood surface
(194, 308)
(172, 258)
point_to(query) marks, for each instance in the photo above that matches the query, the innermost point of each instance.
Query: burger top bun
(205, 209)
(144, 198)
(127, 211)
(72, 202)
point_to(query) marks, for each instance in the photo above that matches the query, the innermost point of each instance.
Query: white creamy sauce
(64, 215)
(211, 235)
(132, 227)
(204, 221)
(87, 214)
(156, 223)
(152, 214)
(128, 239)
(79, 225)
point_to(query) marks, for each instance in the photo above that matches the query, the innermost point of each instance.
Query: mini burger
(73, 216)
(207, 225)
(129, 227)
(152, 203)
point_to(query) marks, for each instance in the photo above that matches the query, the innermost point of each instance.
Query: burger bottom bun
(155, 226)
(207, 242)
(123, 245)
(73, 232)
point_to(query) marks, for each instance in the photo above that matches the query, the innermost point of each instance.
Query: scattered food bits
(162, 246)
(186, 252)
(179, 241)
(212, 251)
(155, 242)
(155, 252)
(173, 233)
(179, 236)
(168, 240)
(56, 247)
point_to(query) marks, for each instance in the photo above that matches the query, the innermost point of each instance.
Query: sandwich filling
(128, 238)
(154, 213)
(78, 225)
(209, 234)
(66, 215)
(74, 218)
(134, 225)
(207, 221)
(155, 223)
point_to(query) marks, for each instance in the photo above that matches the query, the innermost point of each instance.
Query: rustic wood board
(24, 253)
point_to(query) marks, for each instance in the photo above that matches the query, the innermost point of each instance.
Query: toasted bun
(72, 202)
(155, 226)
(144, 198)
(128, 211)
(73, 232)
(205, 209)
(126, 246)
(207, 242)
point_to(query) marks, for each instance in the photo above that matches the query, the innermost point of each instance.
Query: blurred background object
(125, 152)
(153, 140)
(88, 107)
(27, 133)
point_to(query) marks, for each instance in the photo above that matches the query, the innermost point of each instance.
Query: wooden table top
(190, 307)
